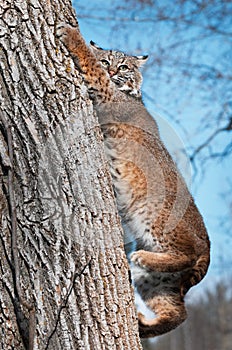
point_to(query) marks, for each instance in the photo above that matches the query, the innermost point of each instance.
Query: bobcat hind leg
(170, 311)
(161, 262)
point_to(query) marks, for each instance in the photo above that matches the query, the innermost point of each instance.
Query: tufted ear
(141, 59)
(95, 46)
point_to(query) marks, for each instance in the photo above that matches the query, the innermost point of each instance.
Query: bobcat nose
(111, 73)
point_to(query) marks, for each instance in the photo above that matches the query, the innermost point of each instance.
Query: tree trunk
(63, 273)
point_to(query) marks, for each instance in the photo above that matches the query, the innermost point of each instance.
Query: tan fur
(172, 246)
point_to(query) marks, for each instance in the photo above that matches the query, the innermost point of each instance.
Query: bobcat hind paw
(141, 318)
(138, 258)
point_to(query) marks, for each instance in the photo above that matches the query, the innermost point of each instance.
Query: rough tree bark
(63, 273)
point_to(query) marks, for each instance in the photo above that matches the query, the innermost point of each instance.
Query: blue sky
(180, 104)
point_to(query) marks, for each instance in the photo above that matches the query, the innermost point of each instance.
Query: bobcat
(172, 248)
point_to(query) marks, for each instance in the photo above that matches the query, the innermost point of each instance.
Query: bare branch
(208, 141)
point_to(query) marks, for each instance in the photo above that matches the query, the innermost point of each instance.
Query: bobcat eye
(123, 67)
(105, 63)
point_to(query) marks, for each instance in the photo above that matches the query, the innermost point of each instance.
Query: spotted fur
(159, 217)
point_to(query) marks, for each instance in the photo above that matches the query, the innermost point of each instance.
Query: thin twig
(228, 127)
(65, 299)
(155, 20)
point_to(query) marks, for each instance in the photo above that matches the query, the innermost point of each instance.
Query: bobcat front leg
(95, 77)
(73, 40)
(161, 262)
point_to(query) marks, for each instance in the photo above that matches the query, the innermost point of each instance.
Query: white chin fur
(125, 88)
(133, 92)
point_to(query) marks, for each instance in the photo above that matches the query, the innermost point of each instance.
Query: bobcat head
(123, 69)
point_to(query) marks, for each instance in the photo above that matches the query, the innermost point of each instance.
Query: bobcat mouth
(117, 80)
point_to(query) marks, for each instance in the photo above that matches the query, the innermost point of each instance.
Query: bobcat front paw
(143, 327)
(61, 30)
(139, 258)
(66, 33)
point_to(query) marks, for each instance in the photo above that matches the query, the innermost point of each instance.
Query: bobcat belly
(151, 283)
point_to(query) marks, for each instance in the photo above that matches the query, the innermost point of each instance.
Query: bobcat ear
(141, 59)
(95, 46)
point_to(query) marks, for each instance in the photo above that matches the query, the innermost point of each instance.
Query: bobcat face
(122, 69)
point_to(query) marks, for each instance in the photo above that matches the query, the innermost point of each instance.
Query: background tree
(63, 273)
